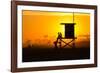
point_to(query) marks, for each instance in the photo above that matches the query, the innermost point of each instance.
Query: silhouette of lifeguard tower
(69, 34)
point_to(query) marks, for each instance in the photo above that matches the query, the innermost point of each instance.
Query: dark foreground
(51, 54)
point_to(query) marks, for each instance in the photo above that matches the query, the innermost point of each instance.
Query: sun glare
(42, 26)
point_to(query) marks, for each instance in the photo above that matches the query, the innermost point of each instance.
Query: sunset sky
(41, 27)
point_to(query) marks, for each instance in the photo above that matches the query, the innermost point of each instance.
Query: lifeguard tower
(69, 34)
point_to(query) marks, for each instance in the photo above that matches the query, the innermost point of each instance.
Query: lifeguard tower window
(69, 30)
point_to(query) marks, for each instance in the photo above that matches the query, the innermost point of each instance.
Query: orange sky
(41, 27)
